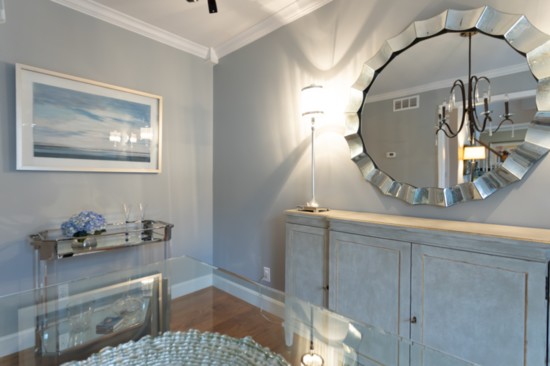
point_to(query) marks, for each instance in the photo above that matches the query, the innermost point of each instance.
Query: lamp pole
(312, 106)
(313, 202)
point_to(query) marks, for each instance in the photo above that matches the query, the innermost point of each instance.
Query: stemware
(141, 206)
(127, 211)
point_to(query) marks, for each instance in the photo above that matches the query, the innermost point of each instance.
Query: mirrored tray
(51, 244)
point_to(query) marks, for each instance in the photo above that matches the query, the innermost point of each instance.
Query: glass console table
(51, 245)
(102, 311)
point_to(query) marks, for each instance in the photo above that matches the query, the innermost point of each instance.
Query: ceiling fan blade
(212, 7)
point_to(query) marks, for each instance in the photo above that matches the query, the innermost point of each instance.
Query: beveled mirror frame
(520, 35)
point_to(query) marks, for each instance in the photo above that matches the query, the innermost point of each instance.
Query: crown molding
(109, 15)
(285, 16)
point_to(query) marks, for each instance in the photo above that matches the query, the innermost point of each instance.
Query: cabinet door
(369, 280)
(486, 309)
(306, 268)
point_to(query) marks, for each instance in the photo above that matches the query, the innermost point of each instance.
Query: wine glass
(141, 211)
(127, 211)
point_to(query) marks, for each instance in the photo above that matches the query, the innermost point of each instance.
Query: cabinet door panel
(482, 308)
(369, 280)
(305, 272)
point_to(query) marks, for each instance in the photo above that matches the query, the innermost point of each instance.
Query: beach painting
(69, 123)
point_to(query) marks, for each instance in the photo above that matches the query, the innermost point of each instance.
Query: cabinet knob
(413, 320)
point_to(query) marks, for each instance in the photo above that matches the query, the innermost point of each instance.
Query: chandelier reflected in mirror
(470, 92)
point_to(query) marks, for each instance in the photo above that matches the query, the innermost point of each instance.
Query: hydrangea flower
(84, 223)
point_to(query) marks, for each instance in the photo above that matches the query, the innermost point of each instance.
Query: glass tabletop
(185, 297)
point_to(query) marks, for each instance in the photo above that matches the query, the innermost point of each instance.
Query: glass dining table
(183, 311)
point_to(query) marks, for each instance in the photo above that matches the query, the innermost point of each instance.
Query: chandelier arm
(446, 128)
(502, 122)
(474, 80)
(449, 135)
(460, 85)
(475, 121)
(472, 111)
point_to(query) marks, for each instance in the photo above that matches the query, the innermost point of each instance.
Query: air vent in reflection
(403, 104)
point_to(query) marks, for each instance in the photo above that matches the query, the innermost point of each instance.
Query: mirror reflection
(404, 105)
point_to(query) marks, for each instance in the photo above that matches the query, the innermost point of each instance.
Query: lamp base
(309, 208)
(312, 359)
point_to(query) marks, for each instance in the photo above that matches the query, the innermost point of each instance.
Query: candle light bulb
(451, 102)
(506, 106)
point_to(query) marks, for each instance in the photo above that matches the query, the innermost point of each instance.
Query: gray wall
(43, 34)
(409, 133)
(261, 147)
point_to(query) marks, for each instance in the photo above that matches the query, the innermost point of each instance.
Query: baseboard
(244, 293)
(187, 287)
(251, 296)
(13, 343)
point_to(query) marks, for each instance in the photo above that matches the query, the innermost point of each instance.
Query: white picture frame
(68, 123)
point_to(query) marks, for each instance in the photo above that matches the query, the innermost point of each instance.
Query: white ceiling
(189, 26)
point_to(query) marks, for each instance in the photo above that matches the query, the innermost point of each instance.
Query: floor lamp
(312, 107)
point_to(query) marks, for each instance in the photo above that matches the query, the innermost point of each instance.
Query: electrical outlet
(267, 274)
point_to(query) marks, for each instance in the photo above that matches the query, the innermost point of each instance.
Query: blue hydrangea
(84, 223)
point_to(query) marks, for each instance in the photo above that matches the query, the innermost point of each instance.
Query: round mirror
(402, 109)
(397, 103)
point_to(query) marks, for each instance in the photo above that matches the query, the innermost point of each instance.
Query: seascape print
(70, 124)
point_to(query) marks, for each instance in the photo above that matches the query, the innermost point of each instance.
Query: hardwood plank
(214, 310)
(25, 357)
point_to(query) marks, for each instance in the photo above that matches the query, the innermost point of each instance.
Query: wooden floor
(213, 310)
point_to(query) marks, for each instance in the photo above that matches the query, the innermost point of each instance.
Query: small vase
(87, 242)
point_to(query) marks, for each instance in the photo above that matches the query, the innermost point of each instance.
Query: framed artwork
(67, 123)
